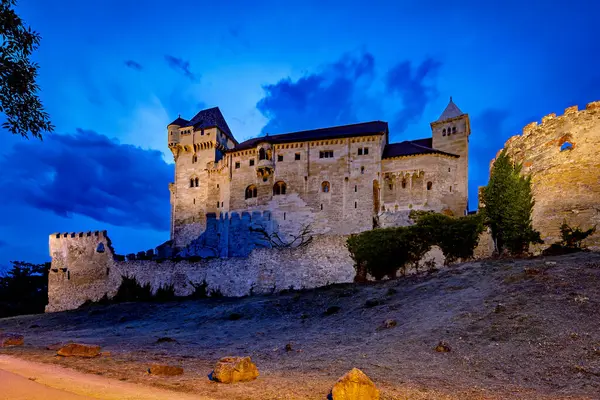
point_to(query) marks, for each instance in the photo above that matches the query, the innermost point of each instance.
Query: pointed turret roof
(451, 111)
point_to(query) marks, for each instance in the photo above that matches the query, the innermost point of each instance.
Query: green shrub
(131, 290)
(383, 252)
(165, 293)
(200, 291)
(571, 240)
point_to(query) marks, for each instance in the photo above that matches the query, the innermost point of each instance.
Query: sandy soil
(524, 329)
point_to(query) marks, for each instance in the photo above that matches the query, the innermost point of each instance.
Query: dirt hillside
(517, 329)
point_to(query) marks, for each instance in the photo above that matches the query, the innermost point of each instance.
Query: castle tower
(198, 147)
(450, 133)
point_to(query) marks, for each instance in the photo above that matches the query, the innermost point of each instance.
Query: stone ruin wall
(84, 268)
(565, 184)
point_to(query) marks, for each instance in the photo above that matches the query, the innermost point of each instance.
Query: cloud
(414, 86)
(182, 66)
(319, 99)
(349, 91)
(91, 175)
(134, 65)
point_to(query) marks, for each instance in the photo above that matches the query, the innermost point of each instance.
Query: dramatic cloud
(320, 99)
(181, 66)
(91, 175)
(415, 88)
(347, 92)
(134, 65)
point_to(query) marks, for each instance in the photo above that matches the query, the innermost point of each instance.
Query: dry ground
(518, 329)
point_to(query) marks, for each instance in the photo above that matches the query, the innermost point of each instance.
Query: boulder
(443, 347)
(11, 339)
(235, 369)
(355, 385)
(166, 370)
(79, 350)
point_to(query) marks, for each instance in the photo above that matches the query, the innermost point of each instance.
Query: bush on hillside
(571, 240)
(383, 252)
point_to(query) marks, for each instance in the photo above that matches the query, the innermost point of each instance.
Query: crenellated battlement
(560, 154)
(74, 235)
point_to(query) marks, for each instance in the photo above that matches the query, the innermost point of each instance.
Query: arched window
(403, 183)
(279, 188)
(566, 146)
(453, 129)
(444, 132)
(251, 192)
(262, 154)
(192, 182)
(429, 185)
(325, 186)
(196, 182)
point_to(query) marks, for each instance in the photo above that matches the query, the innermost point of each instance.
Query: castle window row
(194, 182)
(326, 154)
(363, 151)
(449, 131)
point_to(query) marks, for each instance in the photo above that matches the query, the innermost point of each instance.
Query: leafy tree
(508, 204)
(18, 88)
(24, 289)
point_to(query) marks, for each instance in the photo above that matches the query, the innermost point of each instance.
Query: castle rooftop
(343, 131)
(208, 118)
(451, 111)
(412, 148)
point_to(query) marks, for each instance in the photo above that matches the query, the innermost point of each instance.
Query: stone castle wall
(562, 156)
(84, 269)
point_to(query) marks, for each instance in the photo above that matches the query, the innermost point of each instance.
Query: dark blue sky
(114, 73)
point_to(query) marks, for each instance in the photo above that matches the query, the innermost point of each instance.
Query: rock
(235, 369)
(235, 316)
(11, 339)
(443, 347)
(165, 370)
(389, 323)
(79, 350)
(355, 385)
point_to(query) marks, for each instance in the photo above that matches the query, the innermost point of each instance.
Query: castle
(333, 181)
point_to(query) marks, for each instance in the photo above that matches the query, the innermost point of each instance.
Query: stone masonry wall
(565, 183)
(82, 271)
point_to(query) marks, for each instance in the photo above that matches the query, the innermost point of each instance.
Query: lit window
(325, 186)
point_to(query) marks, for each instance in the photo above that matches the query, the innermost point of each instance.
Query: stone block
(79, 350)
(235, 369)
(165, 370)
(11, 339)
(355, 385)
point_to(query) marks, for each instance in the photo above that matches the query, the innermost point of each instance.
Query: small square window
(252, 162)
(360, 151)
(280, 158)
(366, 151)
(237, 164)
(297, 156)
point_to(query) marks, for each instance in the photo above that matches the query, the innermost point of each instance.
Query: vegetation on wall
(571, 240)
(507, 206)
(384, 252)
(24, 289)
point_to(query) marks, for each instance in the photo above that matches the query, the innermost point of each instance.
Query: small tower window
(251, 162)
(194, 158)
(451, 188)
(360, 151)
(262, 154)
(280, 158)
(100, 248)
(453, 129)
(355, 188)
(362, 170)
(297, 156)
(279, 188)
(325, 186)
(192, 182)
(196, 181)
(429, 185)
(355, 204)
(251, 192)
(566, 146)
(444, 132)
(403, 183)
(237, 165)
